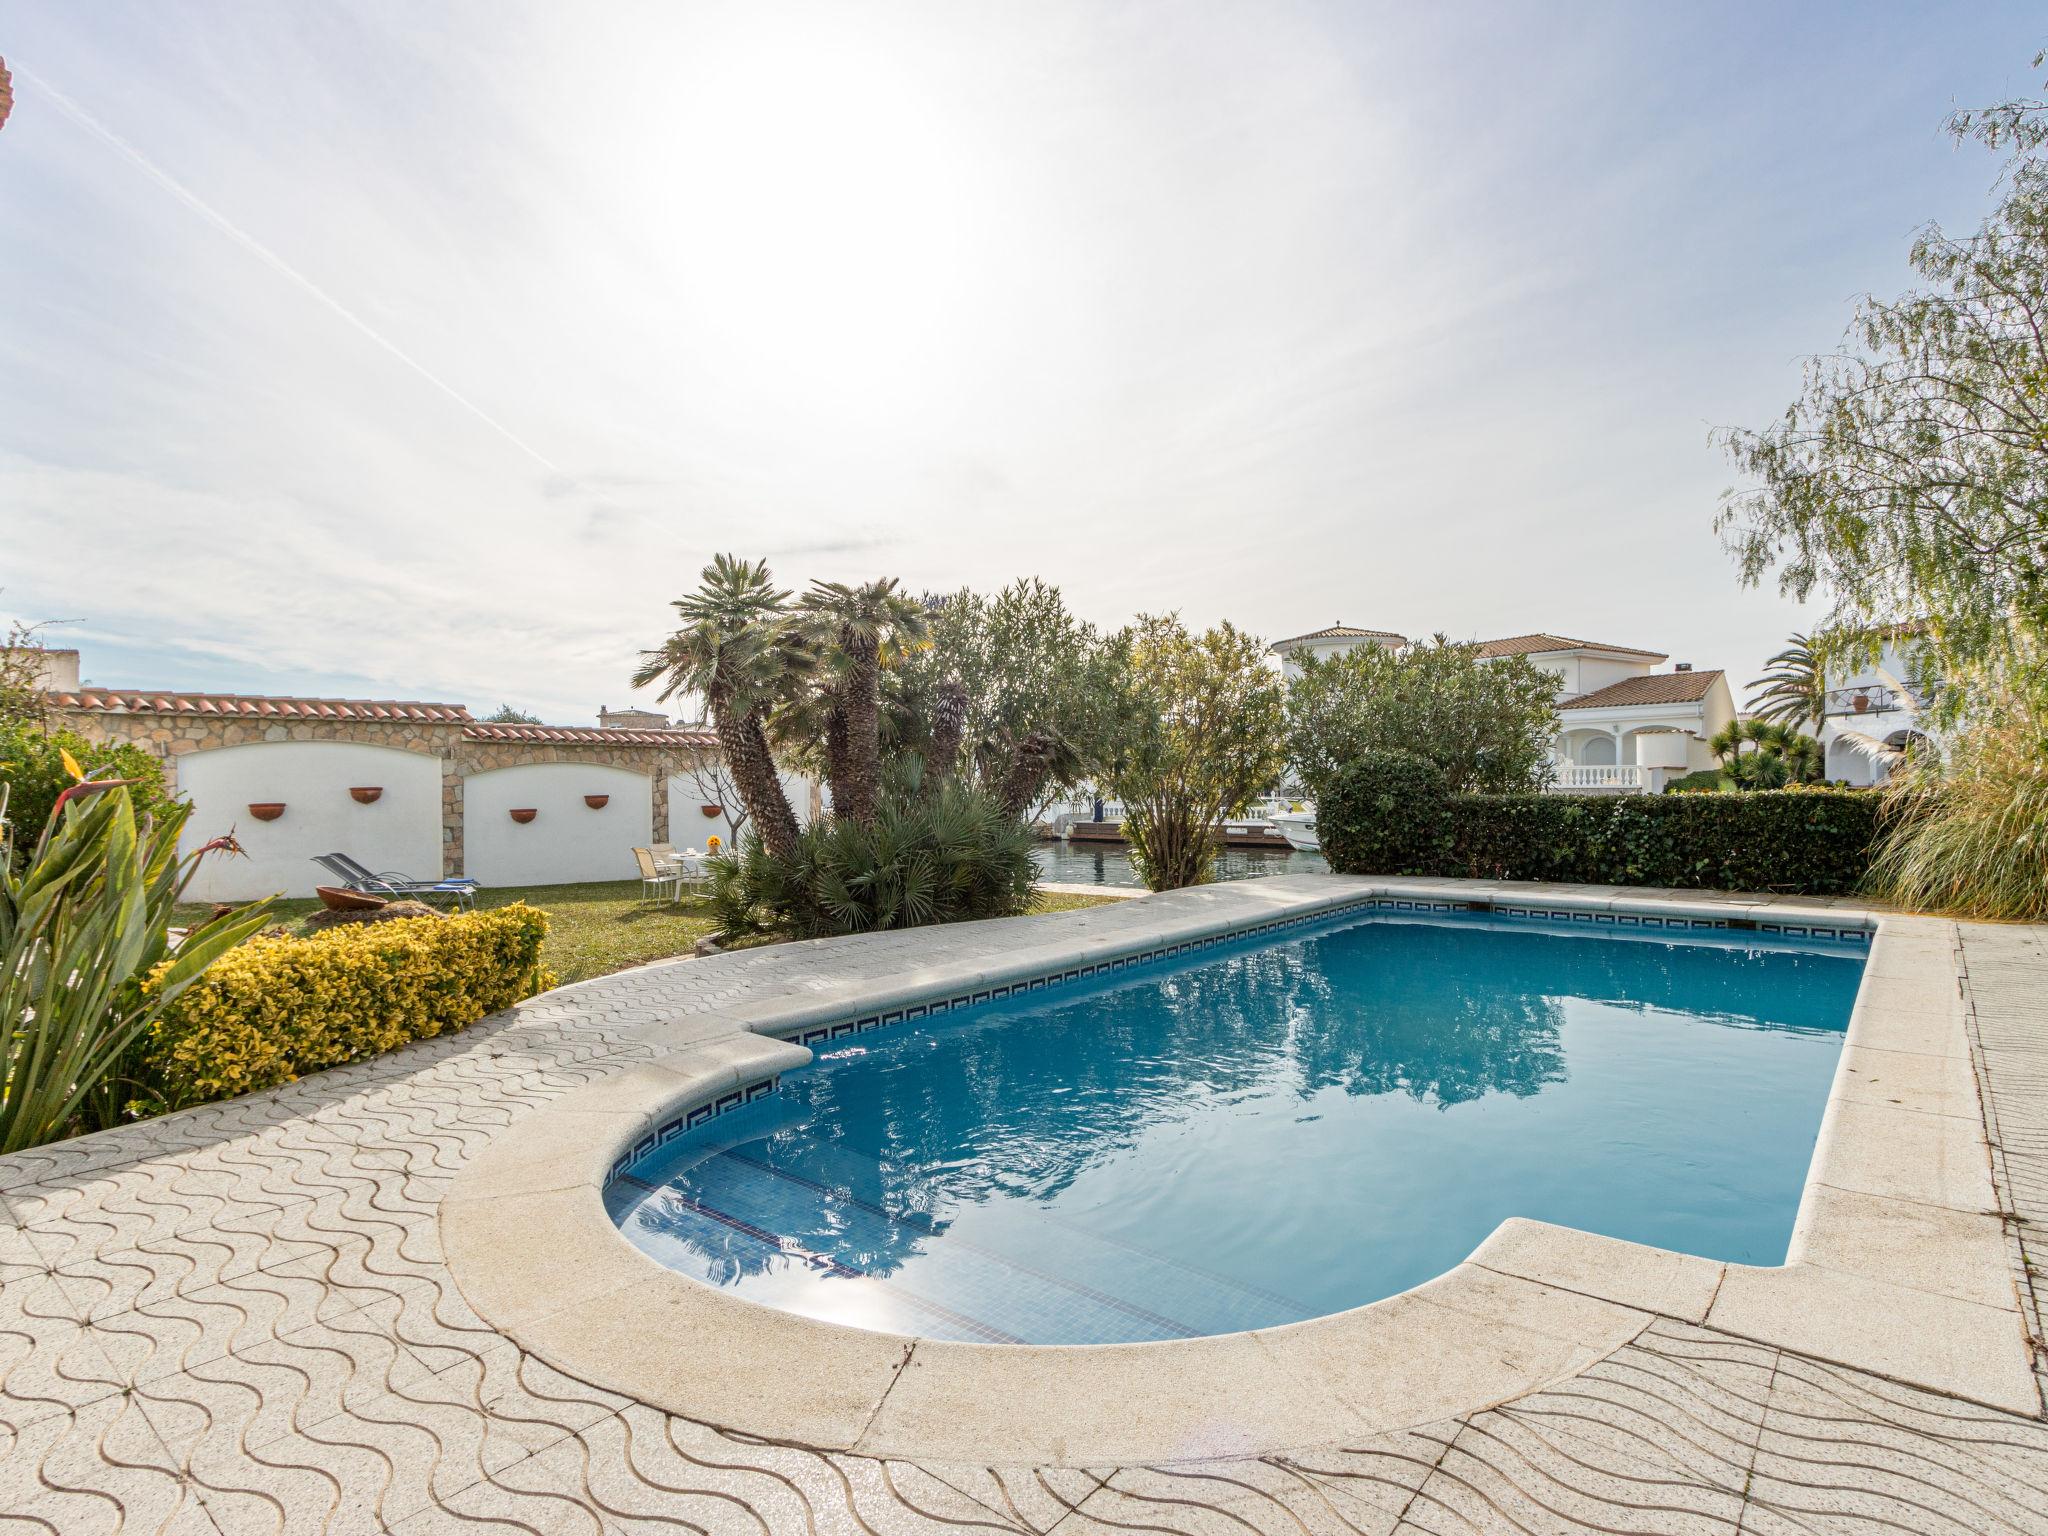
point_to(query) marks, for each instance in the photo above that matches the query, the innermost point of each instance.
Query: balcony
(1611, 778)
(1874, 700)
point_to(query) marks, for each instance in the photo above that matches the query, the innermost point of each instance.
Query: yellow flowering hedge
(280, 1006)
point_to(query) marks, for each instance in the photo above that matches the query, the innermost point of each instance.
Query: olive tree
(1009, 693)
(1200, 731)
(1485, 724)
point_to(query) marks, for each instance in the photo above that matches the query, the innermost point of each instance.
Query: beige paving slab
(1907, 1243)
(679, 1345)
(1969, 1351)
(1885, 1149)
(1932, 1085)
(1405, 1361)
(1116, 1404)
(1648, 1279)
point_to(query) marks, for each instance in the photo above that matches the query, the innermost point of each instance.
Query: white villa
(1325, 643)
(1878, 703)
(1625, 728)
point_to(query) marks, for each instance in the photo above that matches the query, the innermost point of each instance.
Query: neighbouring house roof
(1336, 632)
(1657, 688)
(587, 735)
(246, 706)
(123, 701)
(1534, 645)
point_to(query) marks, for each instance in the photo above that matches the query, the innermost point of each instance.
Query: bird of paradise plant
(86, 958)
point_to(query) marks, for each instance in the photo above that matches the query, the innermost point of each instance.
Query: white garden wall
(401, 830)
(689, 827)
(566, 842)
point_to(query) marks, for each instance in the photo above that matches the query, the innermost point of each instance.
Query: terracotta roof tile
(142, 701)
(1338, 632)
(1530, 645)
(1657, 688)
(586, 735)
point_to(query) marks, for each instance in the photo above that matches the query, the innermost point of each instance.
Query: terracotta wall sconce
(597, 802)
(266, 810)
(366, 794)
(525, 813)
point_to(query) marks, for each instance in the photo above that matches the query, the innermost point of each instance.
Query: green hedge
(1804, 842)
(1384, 813)
(278, 1006)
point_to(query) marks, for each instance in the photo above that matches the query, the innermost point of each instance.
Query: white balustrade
(1622, 777)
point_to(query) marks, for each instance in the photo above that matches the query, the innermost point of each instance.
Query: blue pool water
(1267, 1133)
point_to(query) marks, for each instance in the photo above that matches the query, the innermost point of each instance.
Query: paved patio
(238, 1319)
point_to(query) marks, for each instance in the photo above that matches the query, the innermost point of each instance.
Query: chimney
(1682, 666)
(54, 670)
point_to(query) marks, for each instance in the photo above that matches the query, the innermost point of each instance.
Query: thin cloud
(276, 263)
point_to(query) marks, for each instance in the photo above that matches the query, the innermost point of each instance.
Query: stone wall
(173, 735)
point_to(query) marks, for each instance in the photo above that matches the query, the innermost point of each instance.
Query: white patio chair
(654, 879)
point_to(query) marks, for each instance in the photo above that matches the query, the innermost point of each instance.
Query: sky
(429, 350)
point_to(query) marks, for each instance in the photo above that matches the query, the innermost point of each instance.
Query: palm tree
(1727, 743)
(1781, 755)
(855, 629)
(732, 649)
(1794, 689)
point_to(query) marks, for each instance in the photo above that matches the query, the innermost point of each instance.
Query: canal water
(1095, 864)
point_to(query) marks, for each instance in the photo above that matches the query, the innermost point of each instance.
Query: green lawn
(595, 929)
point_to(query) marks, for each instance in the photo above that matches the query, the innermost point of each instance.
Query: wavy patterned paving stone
(1033, 1498)
(1840, 1448)
(51, 1362)
(1261, 1496)
(100, 1469)
(1501, 1470)
(1678, 1396)
(237, 1319)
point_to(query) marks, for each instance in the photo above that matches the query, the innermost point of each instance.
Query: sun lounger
(392, 883)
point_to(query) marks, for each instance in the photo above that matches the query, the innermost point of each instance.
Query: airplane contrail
(276, 263)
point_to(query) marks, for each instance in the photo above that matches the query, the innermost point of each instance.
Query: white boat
(1299, 828)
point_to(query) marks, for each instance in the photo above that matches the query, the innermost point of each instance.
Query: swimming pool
(1274, 1130)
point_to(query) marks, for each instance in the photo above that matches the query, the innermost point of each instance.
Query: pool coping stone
(1532, 1305)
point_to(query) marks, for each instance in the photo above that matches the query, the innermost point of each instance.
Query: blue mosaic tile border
(1679, 921)
(820, 1034)
(826, 1033)
(689, 1120)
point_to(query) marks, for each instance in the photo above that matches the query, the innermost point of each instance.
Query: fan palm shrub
(86, 960)
(947, 856)
(1779, 755)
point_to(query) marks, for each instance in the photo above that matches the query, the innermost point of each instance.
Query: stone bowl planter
(525, 813)
(266, 810)
(366, 794)
(597, 802)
